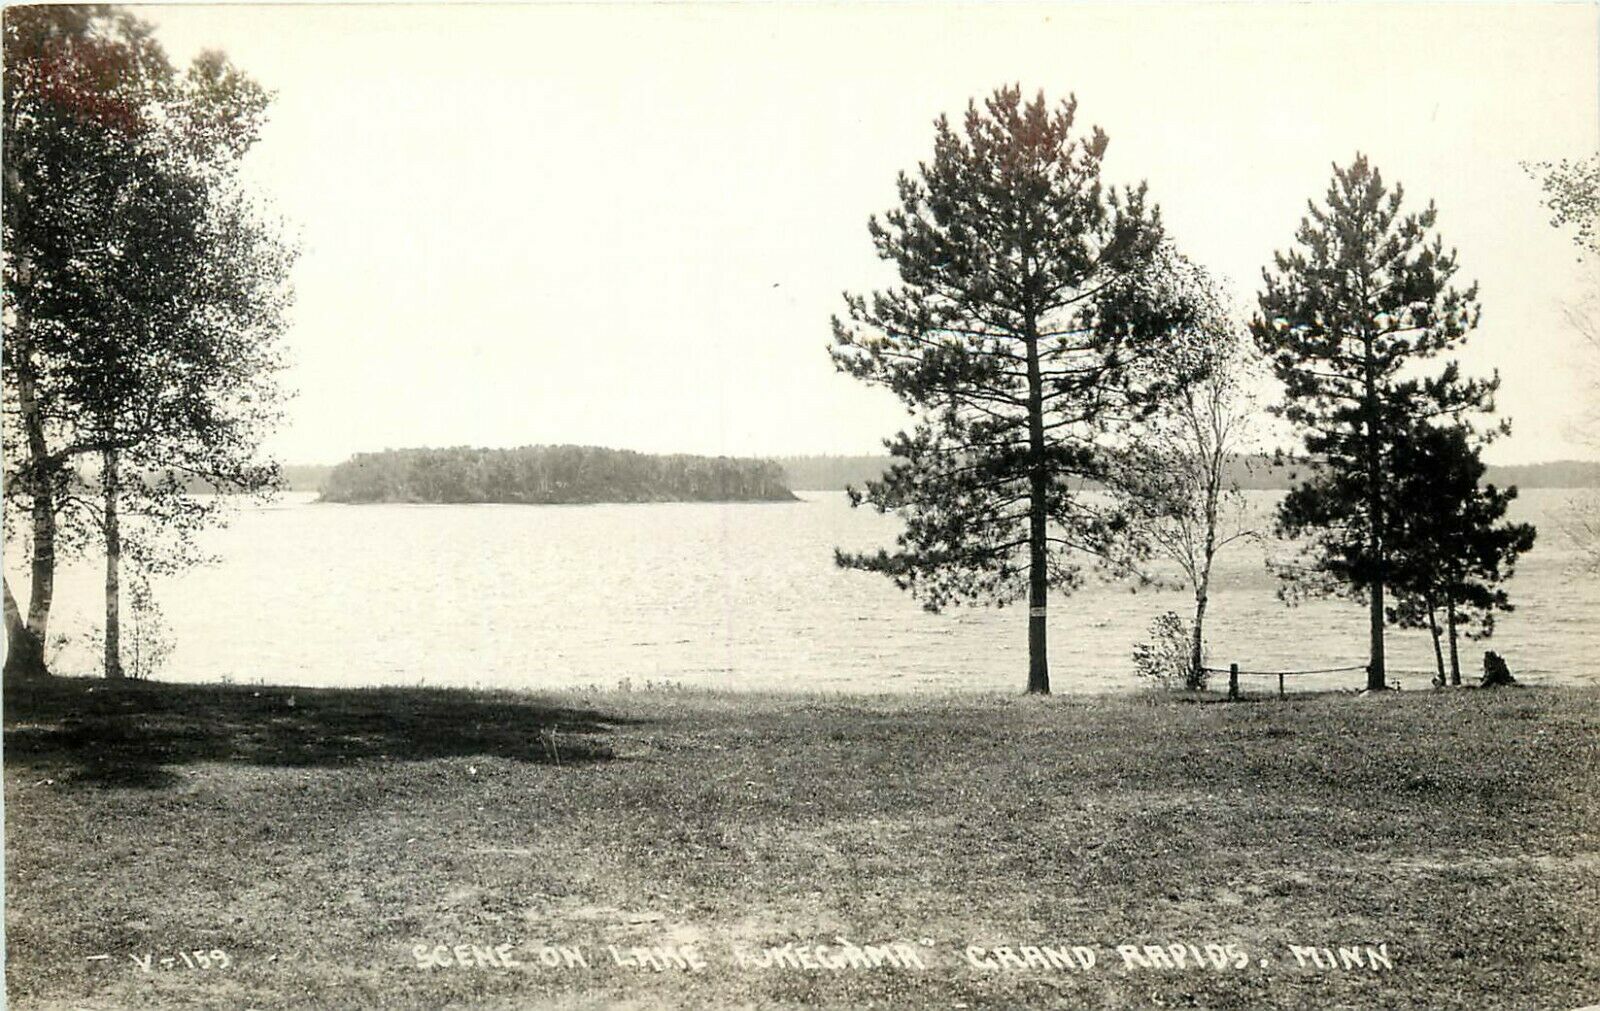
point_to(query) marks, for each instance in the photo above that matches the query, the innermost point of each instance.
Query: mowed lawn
(326, 848)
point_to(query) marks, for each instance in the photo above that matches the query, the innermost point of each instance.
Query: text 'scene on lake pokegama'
(843, 955)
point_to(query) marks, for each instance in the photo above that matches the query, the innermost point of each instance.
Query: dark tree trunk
(1376, 675)
(1376, 678)
(1433, 629)
(24, 650)
(109, 487)
(1455, 658)
(1038, 527)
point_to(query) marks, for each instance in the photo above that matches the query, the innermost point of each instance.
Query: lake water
(730, 595)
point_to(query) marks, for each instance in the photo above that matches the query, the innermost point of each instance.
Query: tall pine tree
(1362, 301)
(1021, 336)
(1450, 551)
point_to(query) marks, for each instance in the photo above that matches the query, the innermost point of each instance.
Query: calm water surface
(729, 595)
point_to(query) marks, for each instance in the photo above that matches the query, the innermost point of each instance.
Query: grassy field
(337, 848)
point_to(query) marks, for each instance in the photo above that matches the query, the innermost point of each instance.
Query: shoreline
(1256, 689)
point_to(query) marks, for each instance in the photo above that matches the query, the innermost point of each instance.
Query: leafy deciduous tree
(149, 292)
(1572, 193)
(78, 82)
(1184, 472)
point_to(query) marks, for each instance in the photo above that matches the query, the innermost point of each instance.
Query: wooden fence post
(1280, 686)
(1233, 681)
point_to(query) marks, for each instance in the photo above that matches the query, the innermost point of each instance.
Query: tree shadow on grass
(133, 734)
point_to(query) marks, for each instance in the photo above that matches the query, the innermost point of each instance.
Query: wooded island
(551, 475)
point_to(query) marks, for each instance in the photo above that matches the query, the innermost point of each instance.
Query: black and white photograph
(777, 505)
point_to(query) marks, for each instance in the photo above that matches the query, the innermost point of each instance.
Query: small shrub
(147, 640)
(1164, 660)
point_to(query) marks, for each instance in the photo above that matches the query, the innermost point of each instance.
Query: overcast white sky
(629, 225)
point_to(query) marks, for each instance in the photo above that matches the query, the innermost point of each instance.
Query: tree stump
(1495, 671)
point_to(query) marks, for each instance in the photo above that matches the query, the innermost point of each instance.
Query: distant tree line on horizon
(831, 472)
(1248, 472)
(550, 475)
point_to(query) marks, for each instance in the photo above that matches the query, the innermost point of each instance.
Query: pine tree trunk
(1455, 658)
(109, 487)
(1376, 674)
(1376, 677)
(1038, 526)
(1433, 629)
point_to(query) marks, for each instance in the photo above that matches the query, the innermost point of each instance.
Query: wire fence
(1234, 674)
